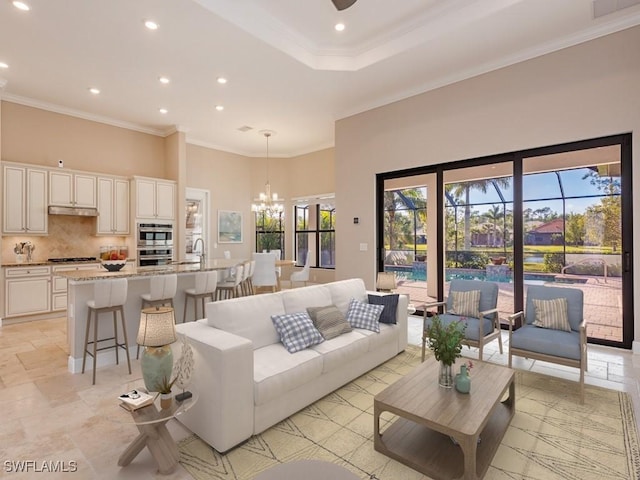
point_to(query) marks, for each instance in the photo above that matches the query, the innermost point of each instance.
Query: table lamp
(386, 281)
(157, 331)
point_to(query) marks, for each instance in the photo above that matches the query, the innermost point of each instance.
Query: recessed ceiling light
(94, 90)
(221, 80)
(21, 6)
(4, 65)
(164, 80)
(339, 27)
(163, 111)
(219, 107)
(151, 25)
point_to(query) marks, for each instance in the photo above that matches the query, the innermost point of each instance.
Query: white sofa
(246, 380)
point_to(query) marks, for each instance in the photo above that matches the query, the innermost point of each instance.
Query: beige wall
(586, 91)
(40, 137)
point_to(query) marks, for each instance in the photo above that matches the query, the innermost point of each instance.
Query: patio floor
(602, 302)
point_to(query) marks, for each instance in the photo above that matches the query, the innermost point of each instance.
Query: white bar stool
(108, 296)
(162, 289)
(231, 288)
(206, 283)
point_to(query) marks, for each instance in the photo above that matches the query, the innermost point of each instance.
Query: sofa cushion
(296, 331)
(249, 317)
(551, 314)
(388, 333)
(298, 299)
(344, 290)
(364, 315)
(329, 321)
(390, 303)
(276, 371)
(339, 351)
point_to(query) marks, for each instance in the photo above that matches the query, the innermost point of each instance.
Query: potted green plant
(445, 340)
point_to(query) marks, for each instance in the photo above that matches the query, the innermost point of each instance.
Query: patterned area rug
(551, 436)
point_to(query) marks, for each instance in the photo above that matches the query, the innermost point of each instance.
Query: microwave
(154, 244)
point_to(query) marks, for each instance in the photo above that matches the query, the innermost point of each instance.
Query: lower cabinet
(27, 291)
(59, 284)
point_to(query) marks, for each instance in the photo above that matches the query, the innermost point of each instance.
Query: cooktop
(72, 259)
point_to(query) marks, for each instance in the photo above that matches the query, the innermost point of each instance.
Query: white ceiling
(288, 70)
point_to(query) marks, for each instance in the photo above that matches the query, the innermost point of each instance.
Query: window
(270, 231)
(315, 232)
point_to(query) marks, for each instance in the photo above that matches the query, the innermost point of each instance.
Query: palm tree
(394, 200)
(494, 214)
(464, 188)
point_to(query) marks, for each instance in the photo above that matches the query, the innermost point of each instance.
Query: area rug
(551, 437)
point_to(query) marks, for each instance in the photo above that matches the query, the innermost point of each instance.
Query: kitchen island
(80, 290)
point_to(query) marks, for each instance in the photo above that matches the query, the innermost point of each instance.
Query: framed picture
(229, 226)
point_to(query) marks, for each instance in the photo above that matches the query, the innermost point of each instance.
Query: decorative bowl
(114, 265)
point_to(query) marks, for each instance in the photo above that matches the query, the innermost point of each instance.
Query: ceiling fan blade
(343, 4)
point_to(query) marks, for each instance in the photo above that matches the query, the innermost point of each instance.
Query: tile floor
(50, 415)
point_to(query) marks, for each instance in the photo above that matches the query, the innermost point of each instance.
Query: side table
(151, 423)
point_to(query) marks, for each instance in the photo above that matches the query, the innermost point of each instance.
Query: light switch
(364, 247)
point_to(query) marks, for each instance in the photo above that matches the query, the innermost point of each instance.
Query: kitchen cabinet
(70, 189)
(59, 284)
(155, 199)
(25, 200)
(27, 290)
(113, 206)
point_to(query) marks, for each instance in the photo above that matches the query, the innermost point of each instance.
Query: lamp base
(157, 364)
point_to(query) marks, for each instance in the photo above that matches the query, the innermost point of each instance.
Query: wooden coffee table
(432, 417)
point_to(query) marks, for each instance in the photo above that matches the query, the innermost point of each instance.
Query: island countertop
(131, 271)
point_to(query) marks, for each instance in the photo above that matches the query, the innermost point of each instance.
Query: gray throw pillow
(390, 303)
(329, 321)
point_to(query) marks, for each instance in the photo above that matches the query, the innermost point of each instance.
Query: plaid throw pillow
(390, 303)
(329, 321)
(296, 331)
(551, 314)
(364, 315)
(466, 304)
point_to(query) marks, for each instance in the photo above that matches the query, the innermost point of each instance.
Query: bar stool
(231, 288)
(206, 283)
(108, 296)
(162, 289)
(244, 282)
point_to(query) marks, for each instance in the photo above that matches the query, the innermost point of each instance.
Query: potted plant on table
(164, 389)
(445, 340)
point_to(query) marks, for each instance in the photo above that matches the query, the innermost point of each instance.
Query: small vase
(463, 381)
(445, 377)
(165, 400)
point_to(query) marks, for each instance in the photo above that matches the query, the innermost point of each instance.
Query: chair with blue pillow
(552, 328)
(474, 302)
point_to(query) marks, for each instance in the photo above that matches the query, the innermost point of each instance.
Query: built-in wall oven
(154, 244)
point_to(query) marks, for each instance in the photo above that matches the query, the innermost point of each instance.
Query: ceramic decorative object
(463, 381)
(445, 376)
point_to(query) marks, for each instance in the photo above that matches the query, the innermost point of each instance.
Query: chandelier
(267, 202)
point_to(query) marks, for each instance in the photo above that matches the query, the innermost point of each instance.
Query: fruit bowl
(114, 265)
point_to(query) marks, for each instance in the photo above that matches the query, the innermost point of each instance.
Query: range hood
(77, 211)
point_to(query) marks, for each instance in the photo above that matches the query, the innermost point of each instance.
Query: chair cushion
(364, 315)
(296, 331)
(551, 314)
(390, 303)
(488, 293)
(466, 304)
(557, 343)
(329, 321)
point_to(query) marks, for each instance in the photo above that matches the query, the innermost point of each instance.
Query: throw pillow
(364, 315)
(296, 331)
(390, 303)
(466, 304)
(551, 314)
(329, 321)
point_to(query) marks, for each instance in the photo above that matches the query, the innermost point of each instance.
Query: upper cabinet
(113, 206)
(25, 200)
(69, 189)
(155, 198)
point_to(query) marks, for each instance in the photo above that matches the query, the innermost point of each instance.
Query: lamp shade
(157, 327)
(386, 281)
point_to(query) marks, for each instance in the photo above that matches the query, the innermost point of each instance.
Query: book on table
(135, 399)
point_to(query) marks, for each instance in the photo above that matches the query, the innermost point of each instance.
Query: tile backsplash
(69, 236)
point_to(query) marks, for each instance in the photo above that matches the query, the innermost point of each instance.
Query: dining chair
(302, 275)
(264, 275)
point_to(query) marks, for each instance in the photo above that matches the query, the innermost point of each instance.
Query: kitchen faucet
(202, 254)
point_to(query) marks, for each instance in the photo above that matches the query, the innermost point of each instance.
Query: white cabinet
(69, 189)
(155, 199)
(25, 200)
(59, 284)
(113, 206)
(27, 290)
